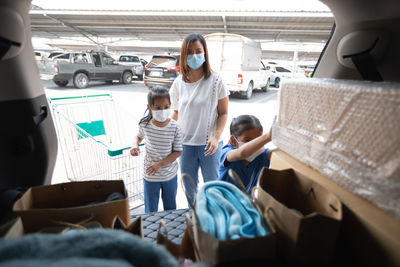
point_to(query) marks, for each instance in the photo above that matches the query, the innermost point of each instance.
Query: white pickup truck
(238, 60)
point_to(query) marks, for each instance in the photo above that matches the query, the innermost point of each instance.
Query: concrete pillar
(295, 56)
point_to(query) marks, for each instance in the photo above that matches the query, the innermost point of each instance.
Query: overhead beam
(224, 21)
(183, 13)
(66, 24)
(174, 37)
(174, 25)
(79, 22)
(266, 54)
(161, 28)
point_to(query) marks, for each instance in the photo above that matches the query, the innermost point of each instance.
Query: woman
(199, 99)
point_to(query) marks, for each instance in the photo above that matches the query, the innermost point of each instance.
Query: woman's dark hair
(190, 39)
(243, 123)
(155, 93)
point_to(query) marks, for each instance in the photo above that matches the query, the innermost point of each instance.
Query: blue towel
(93, 245)
(225, 212)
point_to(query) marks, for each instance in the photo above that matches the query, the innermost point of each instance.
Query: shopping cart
(95, 136)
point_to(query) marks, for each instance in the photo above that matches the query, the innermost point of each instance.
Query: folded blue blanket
(100, 246)
(225, 212)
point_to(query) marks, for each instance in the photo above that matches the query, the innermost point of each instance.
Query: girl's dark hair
(155, 93)
(190, 39)
(243, 123)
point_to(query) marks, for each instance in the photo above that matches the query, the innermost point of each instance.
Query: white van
(238, 60)
(279, 73)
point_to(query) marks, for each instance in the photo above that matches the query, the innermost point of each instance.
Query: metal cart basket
(95, 136)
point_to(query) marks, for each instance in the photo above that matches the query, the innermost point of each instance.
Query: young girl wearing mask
(245, 153)
(163, 146)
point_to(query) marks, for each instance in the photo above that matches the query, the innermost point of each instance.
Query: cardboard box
(368, 236)
(44, 206)
(15, 227)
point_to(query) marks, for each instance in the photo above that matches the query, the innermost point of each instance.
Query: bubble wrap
(349, 131)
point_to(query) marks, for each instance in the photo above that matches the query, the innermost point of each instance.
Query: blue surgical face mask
(195, 61)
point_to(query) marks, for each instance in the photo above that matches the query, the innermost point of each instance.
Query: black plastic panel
(28, 143)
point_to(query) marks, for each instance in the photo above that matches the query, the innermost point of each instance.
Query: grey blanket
(98, 247)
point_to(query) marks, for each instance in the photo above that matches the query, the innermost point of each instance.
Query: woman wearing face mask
(199, 99)
(163, 146)
(245, 153)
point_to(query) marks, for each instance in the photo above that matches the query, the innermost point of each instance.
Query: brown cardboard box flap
(72, 202)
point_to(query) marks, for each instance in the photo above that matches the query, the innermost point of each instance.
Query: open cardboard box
(368, 236)
(44, 206)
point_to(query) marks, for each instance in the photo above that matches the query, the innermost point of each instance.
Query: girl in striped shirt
(163, 145)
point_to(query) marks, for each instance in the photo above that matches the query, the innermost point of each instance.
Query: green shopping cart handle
(76, 97)
(113, 153)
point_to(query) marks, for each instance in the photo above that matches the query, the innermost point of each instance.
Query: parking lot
(132, 98)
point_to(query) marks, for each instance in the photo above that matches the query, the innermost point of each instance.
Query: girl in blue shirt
(245, 153)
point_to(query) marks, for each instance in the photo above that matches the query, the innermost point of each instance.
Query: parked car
(40, 55)
(83, 67)
(54, 54)
(161, 71)
(278, 73)
(144, 62)
(135, 63)
(308, 71)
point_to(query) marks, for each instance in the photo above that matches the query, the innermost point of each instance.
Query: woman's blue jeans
(191, 159)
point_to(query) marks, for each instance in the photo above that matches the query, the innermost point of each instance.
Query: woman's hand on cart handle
(135, 151)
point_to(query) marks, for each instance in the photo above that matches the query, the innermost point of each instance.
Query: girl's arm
(135, 151)
(248, 148)
(154, 167)
(174, 97)
(175, 115)
(222, 110)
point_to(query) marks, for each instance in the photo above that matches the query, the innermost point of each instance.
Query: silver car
(135, 63)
